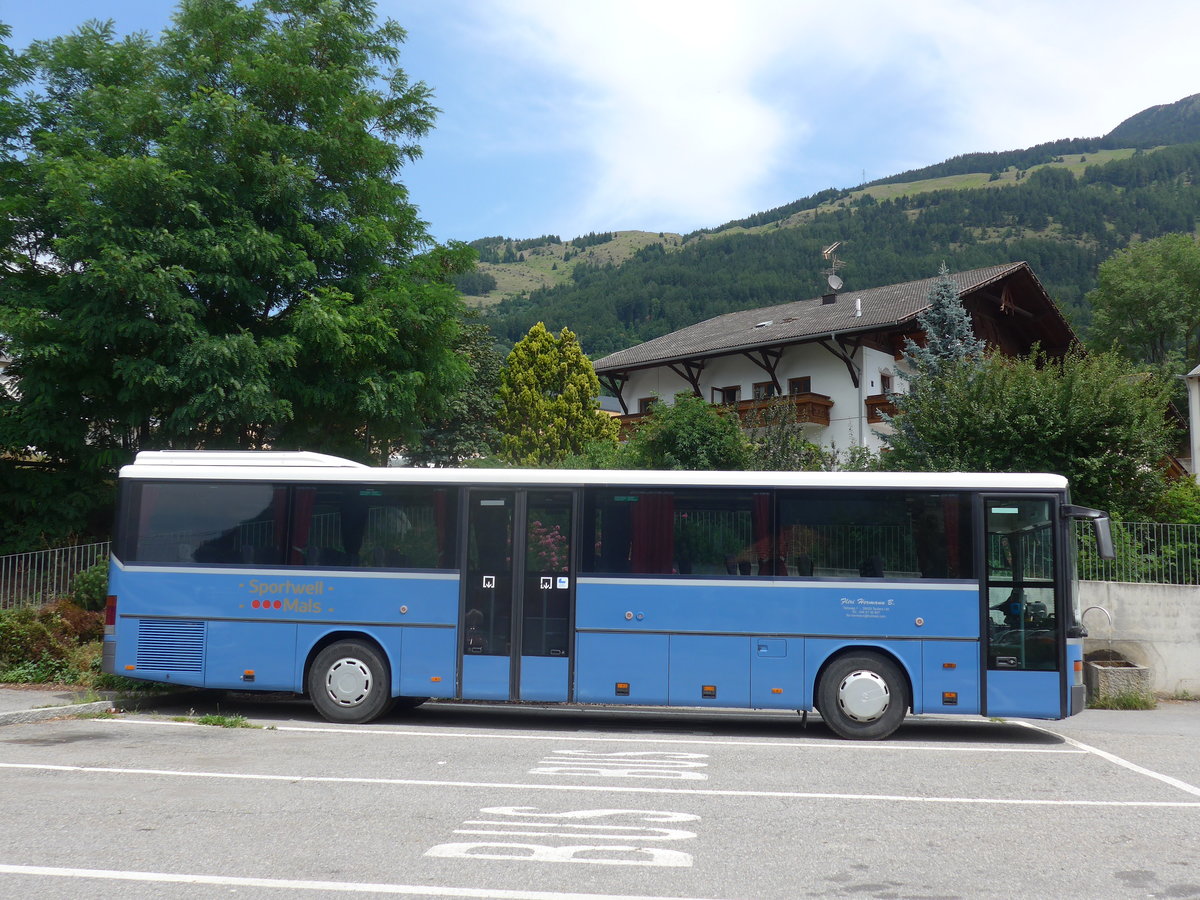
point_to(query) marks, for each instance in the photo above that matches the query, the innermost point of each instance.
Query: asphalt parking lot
(512, 801)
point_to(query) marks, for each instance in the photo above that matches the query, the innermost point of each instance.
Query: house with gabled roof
(836, 357)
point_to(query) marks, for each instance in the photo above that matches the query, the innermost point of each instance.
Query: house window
(765, 390)
(800, 385)
(885, 383)
(644, 404)
(726, 395)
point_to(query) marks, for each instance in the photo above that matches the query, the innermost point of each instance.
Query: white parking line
(296, 885)
(594, 788)
(1116, 760)
(602, 739)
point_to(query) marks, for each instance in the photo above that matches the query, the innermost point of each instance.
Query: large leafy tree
(548, 400)
(212, 247)
(466, 430)
(1147, 303)
(1092, 418)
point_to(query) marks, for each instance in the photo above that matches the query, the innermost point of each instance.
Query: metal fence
(30, 579)
(1147, 553)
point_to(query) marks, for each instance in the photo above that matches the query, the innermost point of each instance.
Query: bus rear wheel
(349, 682)
(863, 696)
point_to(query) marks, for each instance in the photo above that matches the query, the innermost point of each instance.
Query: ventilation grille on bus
(170, 646)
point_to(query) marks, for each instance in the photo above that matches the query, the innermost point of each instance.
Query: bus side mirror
(1101, 527)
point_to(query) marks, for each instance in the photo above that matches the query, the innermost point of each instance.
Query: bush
(52, 644)
(89, 590)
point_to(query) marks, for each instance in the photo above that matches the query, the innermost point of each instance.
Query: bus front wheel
(349, 682)
(863, 696)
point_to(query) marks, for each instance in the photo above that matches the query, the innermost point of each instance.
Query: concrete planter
(1113, 677)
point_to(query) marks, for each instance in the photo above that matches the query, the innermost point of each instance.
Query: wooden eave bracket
(767, 360)
(689, 370)
(616, 383)
(845, 350)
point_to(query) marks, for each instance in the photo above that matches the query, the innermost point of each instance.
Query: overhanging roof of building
(879, 309)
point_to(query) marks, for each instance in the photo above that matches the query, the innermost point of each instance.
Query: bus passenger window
(374, 526)
(196, 522)
(686, 531)
(876, 534)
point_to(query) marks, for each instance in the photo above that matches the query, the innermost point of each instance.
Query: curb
(25, 716)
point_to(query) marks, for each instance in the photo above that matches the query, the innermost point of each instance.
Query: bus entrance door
(1023, 632)
(516, 618)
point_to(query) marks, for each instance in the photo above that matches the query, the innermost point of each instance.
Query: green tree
(778, 442)
(689, 434)
(1147, 303)
(949, 336)
(467, 428)
(214, 249)
(1091, 418)
(548, 400)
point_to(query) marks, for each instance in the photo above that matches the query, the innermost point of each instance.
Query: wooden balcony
(878, 404)
(811, 409)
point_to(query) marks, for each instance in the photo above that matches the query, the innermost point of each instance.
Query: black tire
(349, 682)
(863, 696)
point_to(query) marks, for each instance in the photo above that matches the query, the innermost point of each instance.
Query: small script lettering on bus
(866, 607)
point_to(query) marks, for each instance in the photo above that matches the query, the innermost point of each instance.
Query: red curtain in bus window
(301, 524)
(950, 512)
(766, 545)
(653, 549)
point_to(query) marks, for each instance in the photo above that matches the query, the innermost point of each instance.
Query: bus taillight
(110, 615)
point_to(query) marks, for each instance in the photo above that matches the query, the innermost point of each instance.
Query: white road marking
(1116, 760)
(605, 789)
(297, 885)
(815, 744)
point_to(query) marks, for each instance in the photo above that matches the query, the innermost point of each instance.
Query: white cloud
(665, 114)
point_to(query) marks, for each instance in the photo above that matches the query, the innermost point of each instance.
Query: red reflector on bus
(110, 611)
(1079, 665)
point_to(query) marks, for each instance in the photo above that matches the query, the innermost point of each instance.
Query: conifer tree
(949, 337)
(548, 400)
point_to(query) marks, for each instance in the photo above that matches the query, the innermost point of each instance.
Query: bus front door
(516, 617)
(1022, 616)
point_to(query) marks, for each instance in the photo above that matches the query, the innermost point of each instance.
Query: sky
(571, 116)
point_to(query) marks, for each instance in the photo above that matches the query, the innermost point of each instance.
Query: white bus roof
(302, 466)
(303, 458)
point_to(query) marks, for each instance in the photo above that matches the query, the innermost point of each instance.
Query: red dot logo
(255, 604)
(279, 604)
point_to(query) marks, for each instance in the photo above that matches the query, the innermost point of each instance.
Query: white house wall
(848, 424)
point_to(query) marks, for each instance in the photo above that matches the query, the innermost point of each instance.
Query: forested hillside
(1049, 205)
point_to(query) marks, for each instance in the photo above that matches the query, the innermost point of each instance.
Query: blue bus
(860, 595)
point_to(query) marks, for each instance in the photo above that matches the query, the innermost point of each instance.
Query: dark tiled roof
(790, 323)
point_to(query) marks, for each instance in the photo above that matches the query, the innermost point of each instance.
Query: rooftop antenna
(830, 256)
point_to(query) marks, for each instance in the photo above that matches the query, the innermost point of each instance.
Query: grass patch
(1127, 700)
(216, 720)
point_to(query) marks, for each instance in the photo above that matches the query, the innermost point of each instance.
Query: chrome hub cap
(863, 696)
(348, 682)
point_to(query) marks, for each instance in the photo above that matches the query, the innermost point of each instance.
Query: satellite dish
(835, 282)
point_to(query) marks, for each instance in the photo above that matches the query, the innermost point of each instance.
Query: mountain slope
(1063, 215)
